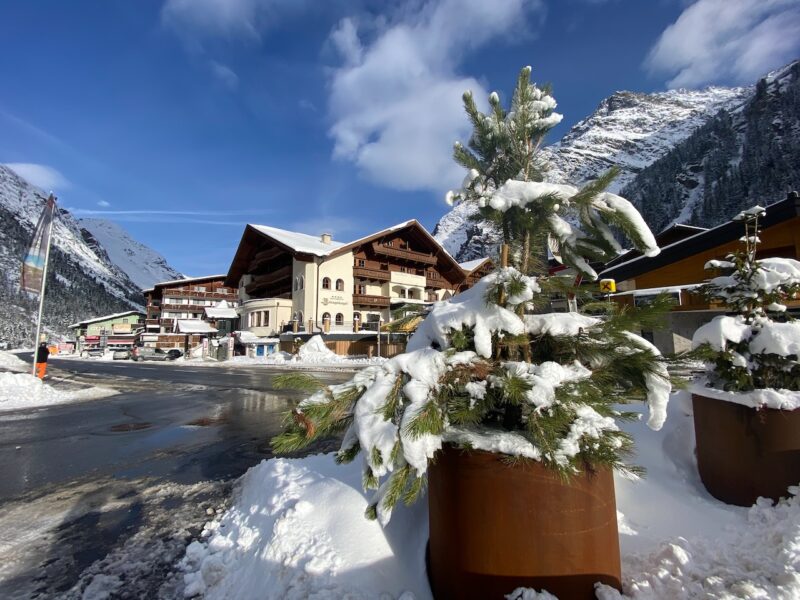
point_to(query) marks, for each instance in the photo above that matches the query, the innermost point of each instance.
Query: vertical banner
(33, 266)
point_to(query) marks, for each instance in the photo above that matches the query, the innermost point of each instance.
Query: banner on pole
(33, 264)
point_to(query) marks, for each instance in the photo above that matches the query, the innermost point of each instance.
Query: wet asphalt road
(99, 469)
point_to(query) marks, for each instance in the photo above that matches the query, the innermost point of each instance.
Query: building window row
(326, 284)
(339, 318)
(258, 319)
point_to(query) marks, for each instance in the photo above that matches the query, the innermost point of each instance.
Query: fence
(355, 347)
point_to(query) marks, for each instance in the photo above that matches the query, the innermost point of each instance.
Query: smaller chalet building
(181, 312)
(290, 281)
(679, 268)
(119, 330)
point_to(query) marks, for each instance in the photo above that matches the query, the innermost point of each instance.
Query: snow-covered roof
(184, 280)
(106, 318)
(221, 310)
(299, 242)
(471, 265)
(248, 337)
(194, 326)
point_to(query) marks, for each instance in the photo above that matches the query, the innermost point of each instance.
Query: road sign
(608, 286)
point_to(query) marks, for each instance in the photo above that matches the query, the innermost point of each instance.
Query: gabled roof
(184, 281)
(707, 239)
(413, 223)
(106, 318)
(194, 326)
(298, 242)
(471, 265)
(222, 310)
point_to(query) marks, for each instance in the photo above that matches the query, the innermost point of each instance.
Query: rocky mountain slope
(83, 279)
(742, 156)
(628, 129)
(143, 265)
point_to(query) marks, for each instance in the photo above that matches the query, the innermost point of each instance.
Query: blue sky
(185, 119)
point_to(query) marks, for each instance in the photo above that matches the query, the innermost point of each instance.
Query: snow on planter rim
(763, 398)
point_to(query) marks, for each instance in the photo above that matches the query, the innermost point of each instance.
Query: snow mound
(12, 362)
(297, 531)
(315, 351)
(21, 390)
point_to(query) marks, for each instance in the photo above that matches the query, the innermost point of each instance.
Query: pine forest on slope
(83, 281)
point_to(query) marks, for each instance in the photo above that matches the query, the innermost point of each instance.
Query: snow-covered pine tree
(757, 348)
(483, 371)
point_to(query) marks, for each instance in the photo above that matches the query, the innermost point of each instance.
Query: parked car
(121, 354)
(174, 354)
(145, 353)
(92, 352)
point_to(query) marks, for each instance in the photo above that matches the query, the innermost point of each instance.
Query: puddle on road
(123, 427)
(206, 421)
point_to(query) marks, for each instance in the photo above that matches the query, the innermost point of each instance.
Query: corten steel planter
(744, 453)
(495, 527)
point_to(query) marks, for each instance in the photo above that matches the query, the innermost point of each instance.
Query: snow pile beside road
(11, 362)
(20, 390)
(297, 530)
(315, 351)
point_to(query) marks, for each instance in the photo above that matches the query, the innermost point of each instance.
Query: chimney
(326, 238)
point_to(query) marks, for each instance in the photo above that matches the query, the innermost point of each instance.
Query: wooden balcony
(410, 255)
(267, 279)
(168, 323)
(201, 295)
(375, 274)
(366, 300)
(184, 307)
(152, 322)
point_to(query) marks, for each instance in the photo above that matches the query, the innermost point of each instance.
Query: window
(326, 317)
(326, 283)
(340, 285)
(301, 283)
(361, 289)
(361, 262)
(411, 294)
(258, 319)
(124, 320)
(401, 293)
(389, 244)
(357, 317)
(266, 318)
(339, 319)
(403, 270)
(200, 288)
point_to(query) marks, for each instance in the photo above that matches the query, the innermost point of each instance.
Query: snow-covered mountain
(740, 157)
(143, 265)
(84, 280)
(628, 129)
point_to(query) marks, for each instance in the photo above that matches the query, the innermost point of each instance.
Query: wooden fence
(354, 348)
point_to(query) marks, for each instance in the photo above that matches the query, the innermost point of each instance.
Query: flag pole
(44, 284)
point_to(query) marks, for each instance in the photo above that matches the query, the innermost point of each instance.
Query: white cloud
(395, 101)
(225, 18)
(727, 40)
(224, 74)
(103, 203)
(42, 176)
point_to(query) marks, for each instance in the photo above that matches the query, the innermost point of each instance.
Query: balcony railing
(367, 300)
(201, 295)
(367, 273)
(413, 255)
(184, 307)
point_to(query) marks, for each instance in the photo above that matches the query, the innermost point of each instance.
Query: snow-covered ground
(19, 389)
(296, 530)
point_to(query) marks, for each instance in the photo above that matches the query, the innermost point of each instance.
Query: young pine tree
(482, 371)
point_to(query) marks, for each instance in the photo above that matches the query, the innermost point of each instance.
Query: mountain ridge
(632, 130)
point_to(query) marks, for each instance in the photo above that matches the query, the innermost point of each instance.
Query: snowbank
(315, 351)
(21, 390)
(11, 362)
(297, 530)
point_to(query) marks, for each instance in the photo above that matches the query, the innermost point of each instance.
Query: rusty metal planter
(744, 453)
(495, 527)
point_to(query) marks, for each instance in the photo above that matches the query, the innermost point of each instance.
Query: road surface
(108, 492)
